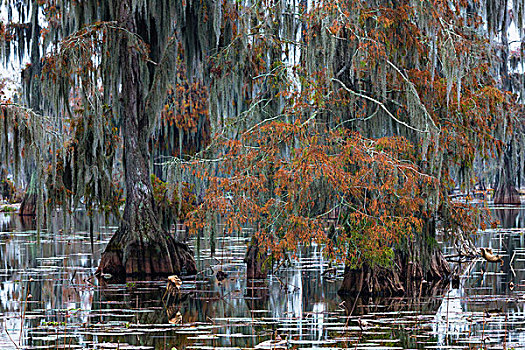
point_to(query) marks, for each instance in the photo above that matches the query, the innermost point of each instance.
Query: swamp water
(49, 299)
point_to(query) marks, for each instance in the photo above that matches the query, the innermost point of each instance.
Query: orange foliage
(287, 180)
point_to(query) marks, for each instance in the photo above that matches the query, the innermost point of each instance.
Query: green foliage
(370, 111)
(173, 199)
(8, 209)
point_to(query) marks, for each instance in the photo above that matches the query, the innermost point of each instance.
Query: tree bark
(139, 246)
(28, 206)
(506, 192)
(254, 260)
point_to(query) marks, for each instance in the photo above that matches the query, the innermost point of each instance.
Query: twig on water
(9, 336)
(23, 316)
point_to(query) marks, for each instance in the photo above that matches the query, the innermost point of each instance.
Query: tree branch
(380, 104)
(414, 91)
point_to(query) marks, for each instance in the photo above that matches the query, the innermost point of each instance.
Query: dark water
(49, 299)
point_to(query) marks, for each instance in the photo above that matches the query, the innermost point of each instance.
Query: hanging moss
(375, 68)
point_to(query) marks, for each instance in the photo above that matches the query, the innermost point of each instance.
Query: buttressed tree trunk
(33, 97)
(254, 260)
(418, 268)
(506, 192)
(140, 246)
(28, 206)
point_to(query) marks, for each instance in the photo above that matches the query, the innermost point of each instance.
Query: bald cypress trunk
(254, 260)
(139, 246)
(33, 98)
(506, 192)
(29, 201)
(418, 269)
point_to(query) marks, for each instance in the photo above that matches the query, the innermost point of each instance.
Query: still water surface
(49, 299)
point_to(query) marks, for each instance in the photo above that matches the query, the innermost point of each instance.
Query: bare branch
(416, 95)
(380, 104)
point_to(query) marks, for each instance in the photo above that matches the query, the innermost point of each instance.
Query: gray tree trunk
(139, 246)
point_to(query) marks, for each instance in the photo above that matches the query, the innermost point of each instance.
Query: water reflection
(510, 217)
(451, 319)
(487, 309)
(48, 300)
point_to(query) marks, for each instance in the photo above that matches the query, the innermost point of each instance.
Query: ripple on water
(294, 308)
